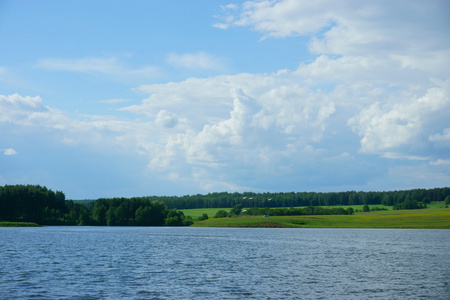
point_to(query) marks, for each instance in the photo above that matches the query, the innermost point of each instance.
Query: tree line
(283, 211)
(34, 203)
(296, 199)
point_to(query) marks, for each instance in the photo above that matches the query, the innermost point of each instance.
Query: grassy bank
(423, 218)
(197, 212)
(18, 224)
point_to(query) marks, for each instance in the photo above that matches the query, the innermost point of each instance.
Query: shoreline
(431, 218)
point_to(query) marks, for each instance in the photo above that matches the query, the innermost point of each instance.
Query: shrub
(221, 214)
(203, 217)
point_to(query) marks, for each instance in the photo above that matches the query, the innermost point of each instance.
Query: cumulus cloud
(379, 70)
(402, 123)
(236, 124)
(385, 60)
(166, 119)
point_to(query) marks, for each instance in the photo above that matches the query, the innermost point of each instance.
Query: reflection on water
(205, 263)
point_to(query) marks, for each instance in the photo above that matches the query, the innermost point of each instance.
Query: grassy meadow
(435, 217)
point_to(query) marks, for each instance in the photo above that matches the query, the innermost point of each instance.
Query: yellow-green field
(423, 218)
(18, 224)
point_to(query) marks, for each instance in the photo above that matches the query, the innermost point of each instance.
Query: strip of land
(431, 218)
(18, 224)
(414, 219)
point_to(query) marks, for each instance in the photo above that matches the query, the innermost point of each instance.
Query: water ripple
(205, 263)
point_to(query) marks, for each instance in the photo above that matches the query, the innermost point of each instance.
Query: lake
(223, 263)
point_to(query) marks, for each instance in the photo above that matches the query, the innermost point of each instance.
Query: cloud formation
(376, 89)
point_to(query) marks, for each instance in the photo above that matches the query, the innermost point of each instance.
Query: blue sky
(135, 98)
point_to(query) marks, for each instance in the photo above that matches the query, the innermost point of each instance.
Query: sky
(139, 98)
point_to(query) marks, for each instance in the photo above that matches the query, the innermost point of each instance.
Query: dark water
(223, 263)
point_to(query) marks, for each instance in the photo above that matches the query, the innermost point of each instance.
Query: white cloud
(444, 137)
(229, 6)
(9, 151)
(385, 64)
(114, 101)
(19, 101)
(221, 25)
(197, 61)
(351, 26)
(166, 119)
(109, 66)
(394, 155)
(369, 69)
(286, 18)
(28, 114)
(228, 18)
(235, 124)
(410, 33)
(402, 123)
(440, 162)
(270, 123)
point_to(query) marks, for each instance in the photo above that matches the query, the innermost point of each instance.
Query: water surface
(227, 263)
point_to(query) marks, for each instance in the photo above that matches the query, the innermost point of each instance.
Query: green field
(423, 218)
(197, 212)
(18, 224)
(437, 204)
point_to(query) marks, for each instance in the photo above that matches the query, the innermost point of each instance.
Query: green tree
(99, 215)
(144, 216)
(84, 218)
(366, 208)
(447, 200)
(203, 217)
(111, 217)
(177, 218)
(236, 210)
(221, 214)
(121, 215)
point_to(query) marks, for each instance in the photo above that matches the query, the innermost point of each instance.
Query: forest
(34, 203)
(296, 199)
(20, 203)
